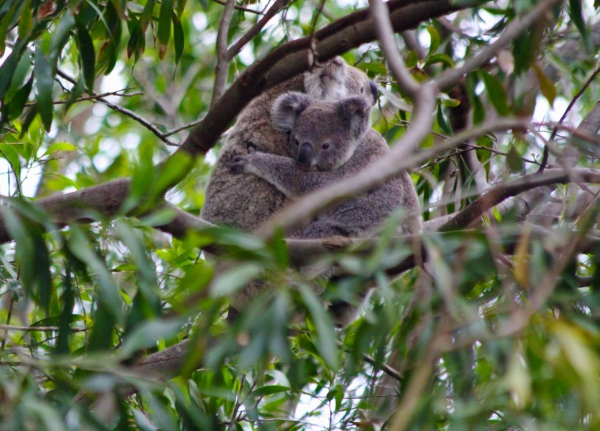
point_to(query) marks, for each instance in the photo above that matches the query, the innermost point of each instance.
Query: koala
(246, 201)
(331, 141)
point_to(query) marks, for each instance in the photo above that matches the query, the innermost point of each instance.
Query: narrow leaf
(87, 54)
(178, 38)
(496, 93)
(43, 85)
(164, 27)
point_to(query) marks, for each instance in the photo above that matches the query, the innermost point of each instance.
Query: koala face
(322, 134)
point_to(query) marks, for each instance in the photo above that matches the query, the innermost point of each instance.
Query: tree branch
(222, 68)
(387, 42)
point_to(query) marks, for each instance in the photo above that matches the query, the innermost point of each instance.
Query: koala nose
(305, 154)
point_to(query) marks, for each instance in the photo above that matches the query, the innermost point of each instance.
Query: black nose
(304, 154)
(374, 91)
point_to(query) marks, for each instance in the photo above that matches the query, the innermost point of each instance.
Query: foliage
(506, 336)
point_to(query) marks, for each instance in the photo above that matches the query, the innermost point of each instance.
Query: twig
(38, 328)
(123, 111)
(222, 68)
(255, 29)
(243, 9)
(184, 127)
(564, 116)
(91, 98)
(384, 367)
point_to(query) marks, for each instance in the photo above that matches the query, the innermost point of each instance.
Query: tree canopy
(112, 113)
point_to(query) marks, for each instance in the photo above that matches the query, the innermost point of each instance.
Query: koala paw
(238, 165)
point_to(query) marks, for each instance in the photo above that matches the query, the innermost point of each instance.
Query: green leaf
(11, 155)
(441, 120)
(7, 69)
(439, 58)
(435, 40)
(325, 329)
(164, 26)
(87, 54)
(60, 146)
(4, 25)
(147, 335)
(546, 86)
(59, 38)
(44, 84)
(233, 280)
(146, 17)
(26, 20)
(576, 14)
(108, 293)
(178, 38)
(496, 93)
(268, 390)
(20, 99)
(204, 4)
(22, 71)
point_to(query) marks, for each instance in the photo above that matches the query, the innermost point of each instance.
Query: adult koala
(246, 201)
(331, 141)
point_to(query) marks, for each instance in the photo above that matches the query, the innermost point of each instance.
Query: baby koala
(332, 141)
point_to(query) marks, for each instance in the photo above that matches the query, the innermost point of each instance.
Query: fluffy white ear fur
(327, 81)
(356, 111)
(287, 108)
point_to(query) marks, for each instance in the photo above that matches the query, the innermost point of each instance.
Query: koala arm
(281, 172)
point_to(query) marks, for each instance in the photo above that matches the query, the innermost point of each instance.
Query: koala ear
(287, 108)
(355, 111)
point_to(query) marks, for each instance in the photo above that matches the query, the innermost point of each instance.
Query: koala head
(322, 134)
(336, 80)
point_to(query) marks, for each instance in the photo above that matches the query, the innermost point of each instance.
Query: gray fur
(246, 201)
(333, 142)
(342, 126)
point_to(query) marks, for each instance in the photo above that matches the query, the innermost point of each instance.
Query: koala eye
(296, 142)
(325, 146)
(362, 90)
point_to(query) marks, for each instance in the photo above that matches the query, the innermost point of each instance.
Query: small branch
(241, 8)
(384, 367)
(187, 126)
(497, 194)
(92, 98)
(256, 28)
(222, 68)
(123, 111)
(564, 116)
(38, 328)
(512, 31)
